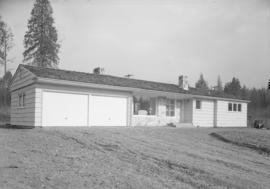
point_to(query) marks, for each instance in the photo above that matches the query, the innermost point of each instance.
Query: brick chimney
(183, 82)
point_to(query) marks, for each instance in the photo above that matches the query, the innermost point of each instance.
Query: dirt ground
(137, 157)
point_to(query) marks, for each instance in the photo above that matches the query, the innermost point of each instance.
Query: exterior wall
(203, 117)
(160, 119)
(227, 118)
(22, 78)
(187, 106)
(23, 115)
(80, 90)
(22, 83)
(213, 112)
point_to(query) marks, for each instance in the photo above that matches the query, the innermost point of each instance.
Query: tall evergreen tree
(202, 83)
(6, 43)
(233, 87)
(41, 40)
(244, 92)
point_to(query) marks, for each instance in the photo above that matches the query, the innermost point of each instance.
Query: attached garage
(108, 111)
(64, 109)
(70, 109)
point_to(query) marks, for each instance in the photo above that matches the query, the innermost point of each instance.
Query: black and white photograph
(134, 94)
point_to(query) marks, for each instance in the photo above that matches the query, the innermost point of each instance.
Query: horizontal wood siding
(21, 78)
(203, 117)
(38, 107)
(227, 118)
(23, 115)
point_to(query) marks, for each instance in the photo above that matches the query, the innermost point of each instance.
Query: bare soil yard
(137, 157)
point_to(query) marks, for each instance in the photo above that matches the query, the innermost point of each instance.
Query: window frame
(21, 100)
(234, 107)
(230, 107)
(136, 100)
(198, 102)
(239, 107)
(170, 107)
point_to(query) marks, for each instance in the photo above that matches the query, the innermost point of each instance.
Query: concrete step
(185, 125)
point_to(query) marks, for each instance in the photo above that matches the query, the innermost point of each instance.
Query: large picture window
(144, 106)
(170, 107)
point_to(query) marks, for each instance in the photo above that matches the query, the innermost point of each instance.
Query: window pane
(144, 105)
(230, 107)
(19, 97)
(239, 107)
(234, 107)
(198, 104)
(23, 99)
(170, 106)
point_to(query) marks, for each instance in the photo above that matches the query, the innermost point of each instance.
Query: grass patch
(258, 140)
(131, 157)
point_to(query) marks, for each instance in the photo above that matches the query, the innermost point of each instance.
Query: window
(234, 107)
(239, 107)
(20, 100)
(144, 106)
(230, 107)
(198, 104)
(21, 97)
(170, 106)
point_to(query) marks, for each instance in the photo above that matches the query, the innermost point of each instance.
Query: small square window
(234, 107)
(198, 104)
(239, 107)
(229, 106)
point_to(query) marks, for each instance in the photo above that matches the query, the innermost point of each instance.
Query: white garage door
(64, 109)
(108, 111)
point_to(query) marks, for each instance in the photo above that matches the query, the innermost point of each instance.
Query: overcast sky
(157, 39)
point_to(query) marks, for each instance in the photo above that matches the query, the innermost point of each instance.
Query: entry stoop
(185, 125)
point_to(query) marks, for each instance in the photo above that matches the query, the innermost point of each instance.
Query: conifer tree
(201, 83)
(41, 39)
(6, 43)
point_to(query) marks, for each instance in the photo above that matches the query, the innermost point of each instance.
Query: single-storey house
(55, 97)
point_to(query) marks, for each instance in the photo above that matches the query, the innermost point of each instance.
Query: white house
(54, 97)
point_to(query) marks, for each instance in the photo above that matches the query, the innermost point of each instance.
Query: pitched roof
(67, 75)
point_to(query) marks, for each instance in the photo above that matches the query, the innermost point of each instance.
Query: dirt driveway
(126, 158)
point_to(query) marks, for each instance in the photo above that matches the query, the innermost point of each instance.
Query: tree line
(259, 106)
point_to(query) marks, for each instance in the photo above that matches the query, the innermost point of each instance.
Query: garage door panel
(108, 111)
(64, 109)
